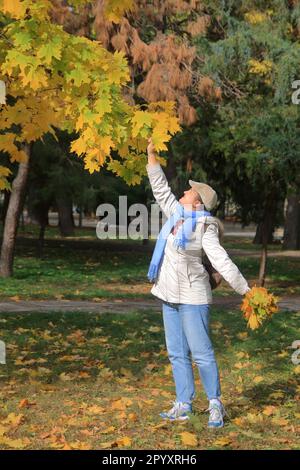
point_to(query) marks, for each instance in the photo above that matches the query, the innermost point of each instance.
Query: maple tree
(57, 80)
(158, 39)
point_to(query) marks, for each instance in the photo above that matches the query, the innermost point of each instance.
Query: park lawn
(95, 270)
(31, 231)
(99, 381)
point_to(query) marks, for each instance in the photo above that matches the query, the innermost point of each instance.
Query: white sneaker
(179, 412)
(216, 414)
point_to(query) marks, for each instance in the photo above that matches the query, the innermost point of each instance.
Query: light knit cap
(206, 192)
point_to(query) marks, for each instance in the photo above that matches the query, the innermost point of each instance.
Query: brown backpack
(215, 277)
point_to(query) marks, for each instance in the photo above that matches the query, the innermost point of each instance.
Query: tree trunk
(267, 227)
(258, 237)
(291, 236)
(80, 216)
(145, 241)
(5, 206)
(41, 240)
(263, 265)
(40, 213)
(65, 215)
(15, 205)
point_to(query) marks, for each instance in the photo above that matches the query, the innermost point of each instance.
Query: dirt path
(291, 303)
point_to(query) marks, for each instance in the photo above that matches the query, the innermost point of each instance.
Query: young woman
(182, 283)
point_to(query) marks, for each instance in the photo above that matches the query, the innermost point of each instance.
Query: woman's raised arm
(159, 184)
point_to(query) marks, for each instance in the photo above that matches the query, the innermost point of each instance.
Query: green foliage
(248, 143)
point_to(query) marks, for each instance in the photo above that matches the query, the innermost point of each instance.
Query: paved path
(291, 303)
(257, 253)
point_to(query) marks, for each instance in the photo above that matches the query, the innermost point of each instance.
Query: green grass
(72, 368)
(283, 273)
(66, 271)
(85, 268)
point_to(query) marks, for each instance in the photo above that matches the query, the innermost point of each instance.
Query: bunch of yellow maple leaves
(258, 305)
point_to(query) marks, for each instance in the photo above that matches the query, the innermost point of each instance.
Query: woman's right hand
(151, 153)
(150, 148)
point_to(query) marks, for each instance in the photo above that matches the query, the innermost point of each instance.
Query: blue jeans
(187, 333)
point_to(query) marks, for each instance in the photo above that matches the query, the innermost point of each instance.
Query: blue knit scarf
(181, 238)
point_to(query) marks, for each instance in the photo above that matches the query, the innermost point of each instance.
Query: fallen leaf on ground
(188, 438)
(25, 403)
(222, 441)
(269, 410)
(258, 379)
(13, 419)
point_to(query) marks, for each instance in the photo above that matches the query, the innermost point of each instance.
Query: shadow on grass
(262, 394)
(49, 344)
(57, 343)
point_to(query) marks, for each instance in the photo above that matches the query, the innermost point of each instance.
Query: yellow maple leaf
(121, 404)
(16, 298)
(297, 370)
(13, 419)
(123, 415)
(15, 8)
(91, 165)
(77, 445)
(78, 146)
(124, 441)
(95, 410)
(94, 159)
(80, 123)
(141, 119)
(132, 416)
(222, 441)
(168, 369)
(19, 156)
(254, 417)
(269, 410)
(238, 421)
(14, 443)
(148, 402)
(189, 439)
(258, 379)
(107, 445)
(280, 421)
(108, 430)
(106, 143)
(174, 125)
